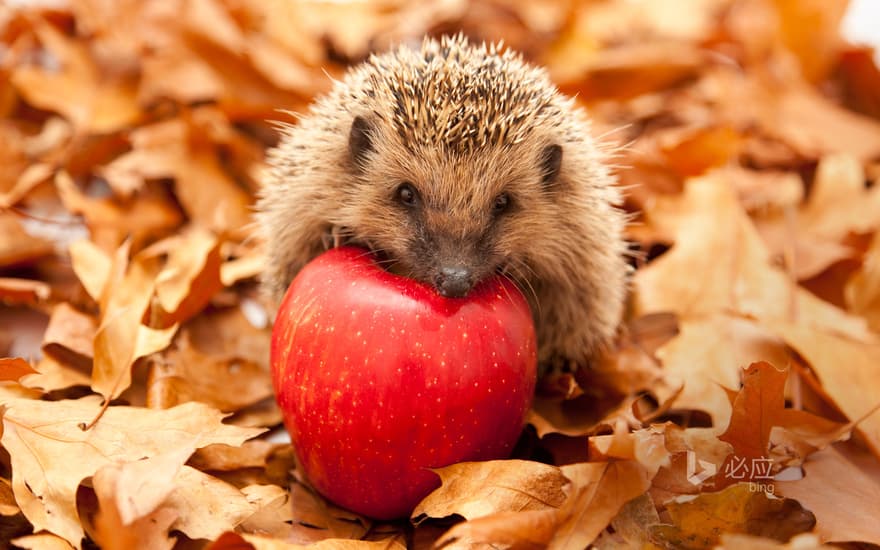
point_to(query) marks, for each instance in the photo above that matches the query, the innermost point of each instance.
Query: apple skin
(379, 378)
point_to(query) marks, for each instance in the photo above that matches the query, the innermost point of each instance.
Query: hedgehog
(454, 162)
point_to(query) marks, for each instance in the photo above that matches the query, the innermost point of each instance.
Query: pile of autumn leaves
(136, 395)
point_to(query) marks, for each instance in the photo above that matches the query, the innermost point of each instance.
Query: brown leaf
(839, 203)
(477, 489)
(815, 127)
(173, 149)
(53, 375)
(42, 436)
(184, 374)
(829, 481)
(863, 289)
(23, 291)
(599, 492)
(13, 368)
(698, 522)
(251, 454)
(111, 222)
(756, 410)
(316, 519)
(121, 338)
(708, 355)
(531, 530)
(17, 246)
(849, 371)
(42, 541)
(92, 267)
(91, 100)
(273, 515)
(8, 507)
(70, 336)
(715, 238)
(130, 495)
(234, 541)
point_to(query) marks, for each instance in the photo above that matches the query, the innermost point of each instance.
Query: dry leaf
(756, 410)
(23, 291)
(849, 371)
(189, 279)
(44, 477)
(234, 541)
(121, 338)
(91, 101)
(698, 522)
(830, 480)
(708, 355)
(863, 289)
(476, 489)
(70, 336)
(715, 238)
(13, 368)
(17, 246)
(42, 541)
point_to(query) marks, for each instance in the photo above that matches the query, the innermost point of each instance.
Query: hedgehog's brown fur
(463, 124)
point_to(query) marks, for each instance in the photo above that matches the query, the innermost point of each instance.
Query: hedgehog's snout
(454, 281)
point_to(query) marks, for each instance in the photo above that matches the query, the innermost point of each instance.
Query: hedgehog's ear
(551, 163)
(359, 141)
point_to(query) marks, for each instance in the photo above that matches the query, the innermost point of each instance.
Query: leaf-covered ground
(736, 409)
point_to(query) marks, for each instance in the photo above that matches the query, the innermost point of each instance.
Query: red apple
(380, 378)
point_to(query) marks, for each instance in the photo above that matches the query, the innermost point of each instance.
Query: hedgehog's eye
(407, 194)
(501, 204)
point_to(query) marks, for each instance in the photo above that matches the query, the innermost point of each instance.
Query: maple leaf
(41, 437)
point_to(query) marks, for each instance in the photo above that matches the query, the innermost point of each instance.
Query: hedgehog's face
(452, 220)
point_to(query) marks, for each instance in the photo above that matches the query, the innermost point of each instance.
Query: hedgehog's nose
(453, 282)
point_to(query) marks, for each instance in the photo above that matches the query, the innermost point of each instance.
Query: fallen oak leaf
(17, 246)
(315, 519)
(129, 498)
(42, 541)
(92, 267)
(273, 513)
(53, 375)
(598, 490)
(477, 489)
(839, 203)
(70, 336)
(13, 368)
(862, 291)
(189, 279)
(235, 541)
(714, 237)
(829, 480)
(41, 437)
(8, 507)
(183, 373)
(756, 409)
(849, 371)
(90, 100)
(707, 356)
(803, 541)
(121, 338)
(698, 522)
(23, 291)
(532, 530)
